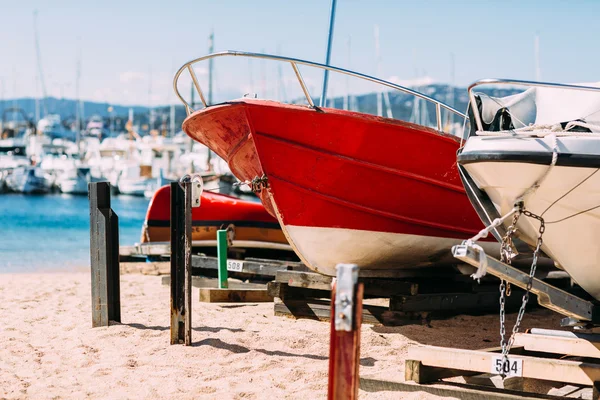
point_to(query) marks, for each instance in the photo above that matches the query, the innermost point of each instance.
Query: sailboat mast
(450, 94)
(536, 45)
(378, 58)
(323, 99)
(77, 100)
(39, 61)
(150, 101)
(211, 49)
(347, 97)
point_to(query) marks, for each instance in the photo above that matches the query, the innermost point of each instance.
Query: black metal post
(181, 263)
(104, 256)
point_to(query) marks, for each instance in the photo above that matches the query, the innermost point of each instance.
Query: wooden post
(104, 256)
(222, 256)
(181, 263)
(344, 345)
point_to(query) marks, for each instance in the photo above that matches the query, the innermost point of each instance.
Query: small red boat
(249, 222)
(346, 187)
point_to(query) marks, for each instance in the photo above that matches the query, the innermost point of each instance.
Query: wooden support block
(216, 295)
(372, 286)
(104, 256)
(321, 310)
(416, 371)
(575, 372)
(304, 280)
(286, 292)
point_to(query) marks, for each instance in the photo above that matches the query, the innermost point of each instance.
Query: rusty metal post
(181, 263)
(104, 256)
(344, 343)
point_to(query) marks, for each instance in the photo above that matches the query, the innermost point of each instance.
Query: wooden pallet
(306, 295)
(551, 365)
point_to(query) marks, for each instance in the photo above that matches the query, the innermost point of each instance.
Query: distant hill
(401, 106)
(66, 108)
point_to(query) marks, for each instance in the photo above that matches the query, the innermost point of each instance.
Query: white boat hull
(571, 242)
(133, 187)
(323, 248)
(74, 186)
(23, 182)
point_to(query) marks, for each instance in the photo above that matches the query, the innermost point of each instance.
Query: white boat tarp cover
(544, 107)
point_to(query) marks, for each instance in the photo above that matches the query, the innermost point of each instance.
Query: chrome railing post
(302, 84)
(438, 115)
(197, 85)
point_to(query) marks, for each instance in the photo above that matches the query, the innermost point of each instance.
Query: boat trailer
(578, 312)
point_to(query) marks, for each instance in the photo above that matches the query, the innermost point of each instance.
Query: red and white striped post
(344, 344)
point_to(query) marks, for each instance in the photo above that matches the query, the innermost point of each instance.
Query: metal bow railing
(294, 62)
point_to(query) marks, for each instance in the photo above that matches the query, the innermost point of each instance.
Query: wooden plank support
(181, 263)
(344, 345)
(443, 390)
(318, 309)
(250, 266)
(572, 346)
(230, 295)
(104, 256)
(436, 358)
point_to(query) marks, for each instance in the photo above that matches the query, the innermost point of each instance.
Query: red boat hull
(345, 186)
(248, 220)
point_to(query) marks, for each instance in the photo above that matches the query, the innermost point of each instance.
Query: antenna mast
(77, 100)
(39, 61)
(211, 49)
(538, 71)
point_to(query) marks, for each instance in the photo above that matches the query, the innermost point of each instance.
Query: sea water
(53, 231)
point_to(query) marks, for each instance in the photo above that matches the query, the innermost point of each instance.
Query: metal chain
(506, 257)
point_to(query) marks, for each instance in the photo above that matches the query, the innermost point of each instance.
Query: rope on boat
(482, 268)
(543, 130)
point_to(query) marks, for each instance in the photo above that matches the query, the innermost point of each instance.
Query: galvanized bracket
(548, 296)
(197, 187)
(345, 292)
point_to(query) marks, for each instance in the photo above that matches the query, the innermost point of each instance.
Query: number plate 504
(512, 366)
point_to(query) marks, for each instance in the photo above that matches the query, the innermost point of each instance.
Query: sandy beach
(48, 349)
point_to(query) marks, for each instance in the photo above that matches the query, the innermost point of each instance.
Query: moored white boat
(28, 180)
(541, 148)
(134, 180)
(75, 180)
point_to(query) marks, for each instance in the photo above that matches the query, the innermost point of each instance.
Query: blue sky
(129, 45)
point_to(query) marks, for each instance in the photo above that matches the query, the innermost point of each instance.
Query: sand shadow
(237, 349)
(469, 331)
(238, 305)
(210, 329)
